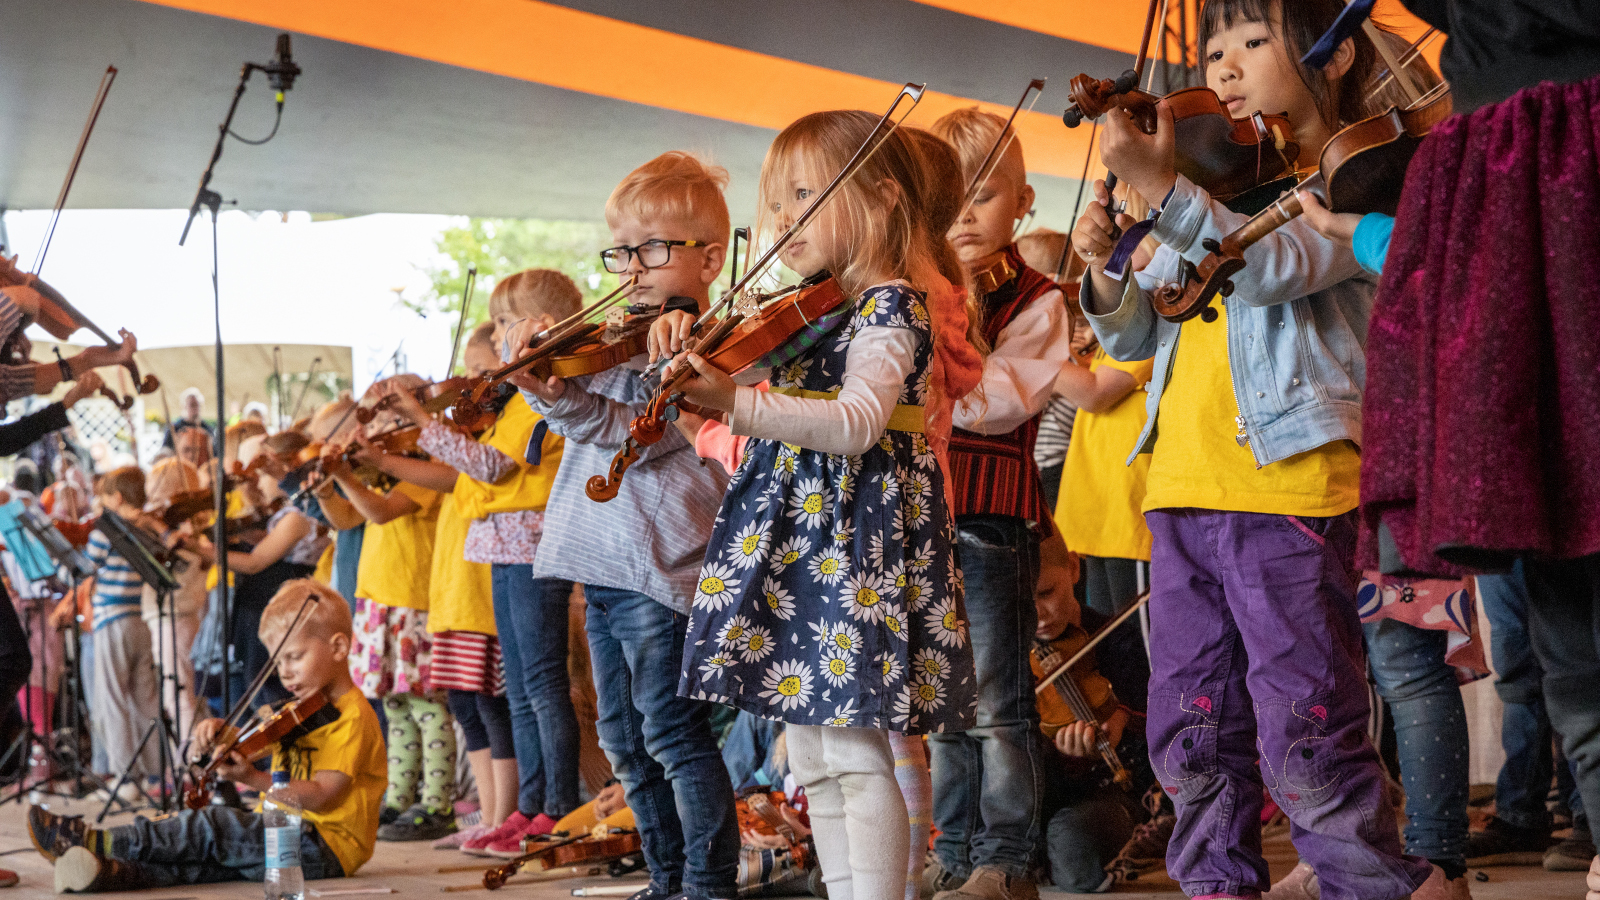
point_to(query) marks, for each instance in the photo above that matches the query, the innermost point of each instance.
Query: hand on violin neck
(406, 406)
(670, 333)
(86, 385)
(711, 387)
(95, 357)
(1078, 739)
(1144, 161)
(1337, 227)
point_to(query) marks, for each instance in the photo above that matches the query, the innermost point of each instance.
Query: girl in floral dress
(830, 597)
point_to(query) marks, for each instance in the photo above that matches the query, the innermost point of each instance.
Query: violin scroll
(1094, 97)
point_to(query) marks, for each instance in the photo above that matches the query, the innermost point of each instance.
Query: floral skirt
(393, 651)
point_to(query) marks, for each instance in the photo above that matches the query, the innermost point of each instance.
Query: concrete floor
(413, 870)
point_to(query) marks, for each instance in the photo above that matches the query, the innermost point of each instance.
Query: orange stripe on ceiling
(1117, 24)
(549, 44)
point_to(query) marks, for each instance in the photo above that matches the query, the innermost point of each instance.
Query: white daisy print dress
(830, 593)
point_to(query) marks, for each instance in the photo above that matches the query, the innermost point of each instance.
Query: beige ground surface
(412, 870)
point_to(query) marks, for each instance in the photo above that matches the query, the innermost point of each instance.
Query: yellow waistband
(904, 418)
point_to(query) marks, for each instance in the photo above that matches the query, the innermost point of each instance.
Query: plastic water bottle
(281, 817)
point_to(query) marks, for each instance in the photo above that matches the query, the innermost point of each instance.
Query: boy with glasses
(638, 557)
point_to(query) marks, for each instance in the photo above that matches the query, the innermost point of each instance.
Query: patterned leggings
(422, 752)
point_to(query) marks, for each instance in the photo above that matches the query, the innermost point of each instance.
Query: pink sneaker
(454, 841)
(513, 825)
(511, 847)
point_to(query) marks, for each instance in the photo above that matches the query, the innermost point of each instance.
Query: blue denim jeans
(218, 843)
(987, 781)
(531, 616)
(661, 745)
(747, 751)
(1430, 726)
(1564, 621)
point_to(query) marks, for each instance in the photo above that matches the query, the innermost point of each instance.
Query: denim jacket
(1297, 327)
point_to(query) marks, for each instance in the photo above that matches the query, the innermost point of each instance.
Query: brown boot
(989, 883)
(1437, 887)
(80, 872)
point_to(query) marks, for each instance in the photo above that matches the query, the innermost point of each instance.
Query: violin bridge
(748, 303)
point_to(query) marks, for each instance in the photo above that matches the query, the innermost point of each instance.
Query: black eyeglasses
(652, 254)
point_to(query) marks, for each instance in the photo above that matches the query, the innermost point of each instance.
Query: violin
(1079, 695)
(752, 325)
(294, 720)
(736, 343)
(1075, 316)
(54, 314)
(1361, 170)
(602, 845)
(561, 338)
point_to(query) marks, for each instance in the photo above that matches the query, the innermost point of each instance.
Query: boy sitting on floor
(338, 775)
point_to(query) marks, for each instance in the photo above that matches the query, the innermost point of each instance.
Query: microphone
(282, 71)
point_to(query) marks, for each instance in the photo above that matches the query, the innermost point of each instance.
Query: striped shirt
(117, 588)
(1055, 432)
(15, 381)
(652, 537)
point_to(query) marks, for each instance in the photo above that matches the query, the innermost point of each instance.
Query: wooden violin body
(1361, 170)
(570, 851)
(293, 721)
(1225, 156)
(734, 344)
(1078, 695)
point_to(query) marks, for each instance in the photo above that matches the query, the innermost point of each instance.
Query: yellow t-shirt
(1100, 509)
(396, 556)
(459, 592)
(353, 745)
(1198, 463)
(324, 571)
(526, 488)
(235, 508)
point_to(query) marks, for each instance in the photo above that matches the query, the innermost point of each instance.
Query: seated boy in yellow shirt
(338, 775)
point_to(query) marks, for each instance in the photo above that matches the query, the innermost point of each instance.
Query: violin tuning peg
(670, 414)
(1226, 289)
(1208, 315)
(1211, 245)
(1072, 118)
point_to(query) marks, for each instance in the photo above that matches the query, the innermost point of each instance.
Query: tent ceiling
(507, 107)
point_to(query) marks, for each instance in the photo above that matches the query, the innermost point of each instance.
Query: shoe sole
(1559, 863)
(1515, 858)
(76, 870)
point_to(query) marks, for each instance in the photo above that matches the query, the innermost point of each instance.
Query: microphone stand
(211, 200)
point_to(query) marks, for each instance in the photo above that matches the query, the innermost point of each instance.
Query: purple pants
(1256, 655)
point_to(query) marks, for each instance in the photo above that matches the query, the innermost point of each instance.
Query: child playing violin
(392, 652)
(336, 772)
(1251, 492)
(986, 782)
(497, 487)
(830, 597)
(638, 557)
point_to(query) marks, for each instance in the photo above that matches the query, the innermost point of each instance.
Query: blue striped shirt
(117, 588)
(652, 537)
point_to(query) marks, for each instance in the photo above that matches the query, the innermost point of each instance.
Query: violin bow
(875, 139)
(461, 321)
(243, 705)
(72, 170)
(1094, 641)
(997, 150)
(1077, 203)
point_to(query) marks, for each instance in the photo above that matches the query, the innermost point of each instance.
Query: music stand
(42, 553)
(148, 559)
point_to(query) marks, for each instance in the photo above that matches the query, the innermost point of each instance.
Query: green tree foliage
(500, 247)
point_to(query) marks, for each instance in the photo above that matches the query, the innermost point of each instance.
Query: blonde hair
(973, 133)
(535, 292)
(326, 617)
(328, 416)
(238, 433)
(168, 478)
(679, 187)
(944, 189)
(482, 334)
(286, 443)
(888, 238)
(1041, 249)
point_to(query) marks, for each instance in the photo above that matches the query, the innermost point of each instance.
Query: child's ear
(341, 646)
(1343, 59)
(1025, 198)
(715, 255)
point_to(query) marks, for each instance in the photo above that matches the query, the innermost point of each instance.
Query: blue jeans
(661, 745)
(1564, 621)
(747, 751)
(218, 843)
(986, 782)
(531, 616)
(1519, 791)
(1430, 726)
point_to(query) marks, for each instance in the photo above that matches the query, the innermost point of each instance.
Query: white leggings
(858, 815)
